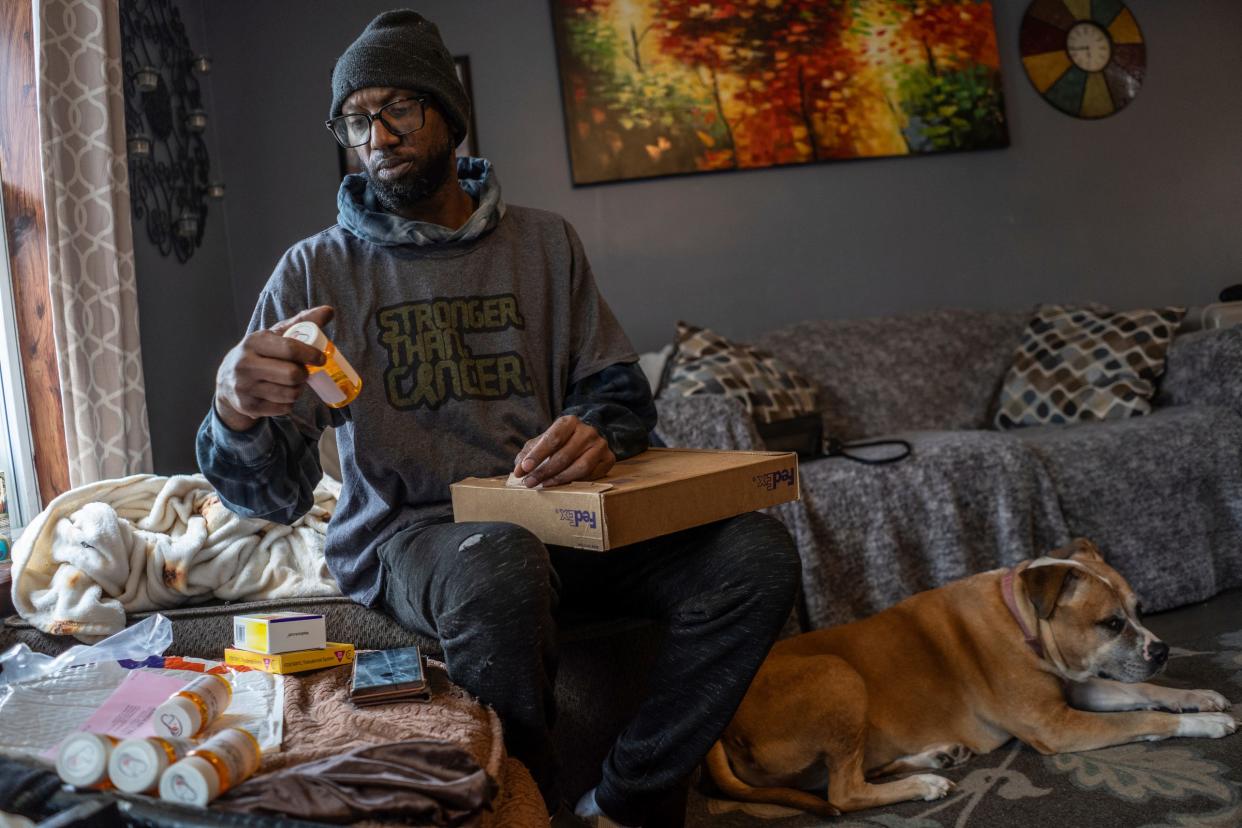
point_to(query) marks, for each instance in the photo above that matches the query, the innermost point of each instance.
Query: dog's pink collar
(1031, 639)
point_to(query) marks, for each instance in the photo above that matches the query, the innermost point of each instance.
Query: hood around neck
(359, 212)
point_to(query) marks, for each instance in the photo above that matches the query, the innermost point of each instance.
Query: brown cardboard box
(658, 492)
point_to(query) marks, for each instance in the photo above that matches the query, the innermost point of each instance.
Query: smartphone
(388, 675)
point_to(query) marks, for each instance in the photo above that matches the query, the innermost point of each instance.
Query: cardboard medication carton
(330, 656)
(279, 632)
(656, 493)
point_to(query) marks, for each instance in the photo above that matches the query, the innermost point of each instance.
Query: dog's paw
(1206, 725)
(933, 787)
(1201, 701)
(950, 755)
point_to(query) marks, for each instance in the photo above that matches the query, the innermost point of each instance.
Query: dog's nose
(1159, 652)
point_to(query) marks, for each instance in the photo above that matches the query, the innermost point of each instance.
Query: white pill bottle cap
(192, 781)
(179, 718)
(82, 760)
(187, 712)
(136, 765)
(233, 754)
(319, 381)
(310, 333)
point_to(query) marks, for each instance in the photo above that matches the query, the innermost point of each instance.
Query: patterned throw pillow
(1078, 364)
(704, 362)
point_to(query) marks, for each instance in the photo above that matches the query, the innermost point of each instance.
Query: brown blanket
(423, 781)
(320, 722)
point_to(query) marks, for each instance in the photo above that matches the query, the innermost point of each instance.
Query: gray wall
(1138, 209)
(186, 311)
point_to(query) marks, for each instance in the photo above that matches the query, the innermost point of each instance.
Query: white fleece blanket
(147, 542)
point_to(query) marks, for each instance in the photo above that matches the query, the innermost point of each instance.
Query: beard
(427, 174)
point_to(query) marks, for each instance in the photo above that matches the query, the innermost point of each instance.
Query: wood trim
(22, 181)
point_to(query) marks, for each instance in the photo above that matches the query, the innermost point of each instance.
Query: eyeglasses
(399, 117)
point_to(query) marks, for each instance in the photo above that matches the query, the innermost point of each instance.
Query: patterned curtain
(90, 241)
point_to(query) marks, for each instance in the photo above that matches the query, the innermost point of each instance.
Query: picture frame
(347, 160)
(655, 88)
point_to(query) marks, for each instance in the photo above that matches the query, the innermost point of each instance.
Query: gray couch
(1161, 494)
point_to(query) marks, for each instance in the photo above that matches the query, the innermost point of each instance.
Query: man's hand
(264, 374)
(569, 450)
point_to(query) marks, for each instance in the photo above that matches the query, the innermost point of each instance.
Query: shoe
(566, 818)
(589, 810)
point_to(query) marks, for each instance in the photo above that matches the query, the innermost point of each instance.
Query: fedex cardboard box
(656, 493)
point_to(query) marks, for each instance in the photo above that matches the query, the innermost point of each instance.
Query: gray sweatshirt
(468, 343)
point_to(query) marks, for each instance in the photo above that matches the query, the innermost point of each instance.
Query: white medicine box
(279, 632)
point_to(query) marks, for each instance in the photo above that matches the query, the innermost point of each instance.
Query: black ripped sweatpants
(490, 593)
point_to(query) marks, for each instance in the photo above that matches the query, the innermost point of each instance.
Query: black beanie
(403, 49)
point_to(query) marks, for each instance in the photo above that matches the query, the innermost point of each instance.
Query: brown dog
(1029, 652)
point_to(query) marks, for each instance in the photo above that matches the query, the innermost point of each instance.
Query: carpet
(1176, 783)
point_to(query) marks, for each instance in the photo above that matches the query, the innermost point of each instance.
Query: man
(475, 326)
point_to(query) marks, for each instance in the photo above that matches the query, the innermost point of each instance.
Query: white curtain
(90, 242)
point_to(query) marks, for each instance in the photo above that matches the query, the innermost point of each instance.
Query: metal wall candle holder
(187, 225)
(139, 147)
(146, 79)
(169, 169)
(196, 120)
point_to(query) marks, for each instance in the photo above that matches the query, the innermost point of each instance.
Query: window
(19, 491)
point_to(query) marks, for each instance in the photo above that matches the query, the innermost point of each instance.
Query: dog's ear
(1079, 549)
(1044, 585)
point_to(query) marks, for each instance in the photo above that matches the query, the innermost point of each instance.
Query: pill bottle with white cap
(82, 760)
(336, 382)
(190, 710)
(224, 761)
(136, 765)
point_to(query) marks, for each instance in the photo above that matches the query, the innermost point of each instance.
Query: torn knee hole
(470, 541)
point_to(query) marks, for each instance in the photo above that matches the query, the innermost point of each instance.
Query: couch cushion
(936, 371)
(1160, 495)
(1078, 364)
(704, 362)
(1204, 368)
(204, 631)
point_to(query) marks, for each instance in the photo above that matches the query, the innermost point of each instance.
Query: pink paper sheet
(127, 712)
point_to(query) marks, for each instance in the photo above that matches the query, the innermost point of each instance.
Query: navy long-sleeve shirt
(271, 470)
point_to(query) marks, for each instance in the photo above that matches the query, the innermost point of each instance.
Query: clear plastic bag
(20, 663)
(150, 636)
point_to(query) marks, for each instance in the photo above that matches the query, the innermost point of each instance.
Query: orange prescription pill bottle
(336, 382)
(137, 764)
(190, 710)
(82, 760)
(224, 761)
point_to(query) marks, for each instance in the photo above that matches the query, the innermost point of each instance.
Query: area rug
(1175, 783)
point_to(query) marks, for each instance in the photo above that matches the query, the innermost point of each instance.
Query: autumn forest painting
(662, 87)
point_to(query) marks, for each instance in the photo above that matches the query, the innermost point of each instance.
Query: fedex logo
(578, 517)
(772, 480)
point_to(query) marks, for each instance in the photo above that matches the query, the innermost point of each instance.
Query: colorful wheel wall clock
(1085, 57)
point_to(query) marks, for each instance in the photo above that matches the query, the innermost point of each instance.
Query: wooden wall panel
(27, 240)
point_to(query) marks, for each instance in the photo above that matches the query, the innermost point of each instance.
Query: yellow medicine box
(329, 656)
(279, 632)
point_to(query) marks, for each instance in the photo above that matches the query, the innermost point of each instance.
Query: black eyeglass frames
(399, 117)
